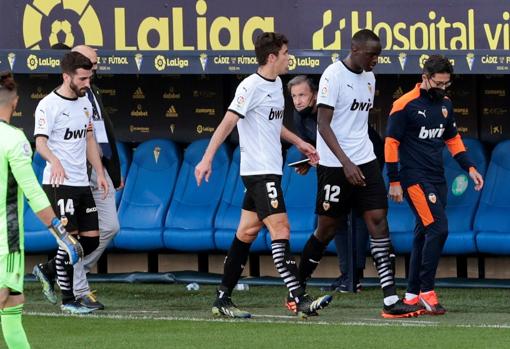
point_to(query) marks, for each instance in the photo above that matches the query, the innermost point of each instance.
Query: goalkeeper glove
(66, 241)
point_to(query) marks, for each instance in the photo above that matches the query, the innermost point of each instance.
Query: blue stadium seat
(229, 212)
(37, 237)
(190, 220)
(125, 156)
(300, 195)
(492, 218)
(149, 187)
(462, 199)
(401, 223)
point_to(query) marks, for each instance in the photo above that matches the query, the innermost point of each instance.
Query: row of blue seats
(161, 206)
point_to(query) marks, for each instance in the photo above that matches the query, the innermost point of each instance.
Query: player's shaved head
(88, 52)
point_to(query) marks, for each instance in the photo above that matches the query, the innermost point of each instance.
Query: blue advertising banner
(244, 62)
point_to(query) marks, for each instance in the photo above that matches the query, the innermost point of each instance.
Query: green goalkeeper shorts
(12, 270)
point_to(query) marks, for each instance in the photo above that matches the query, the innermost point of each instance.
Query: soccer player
(348, 174)
(18, 178)
(421, 122)
(257, 110)
(106, 208)
(64, 137)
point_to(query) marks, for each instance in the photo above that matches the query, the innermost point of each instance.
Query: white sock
(410, 296)
(390, 300)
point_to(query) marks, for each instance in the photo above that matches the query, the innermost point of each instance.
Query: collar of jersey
(352, 71)
(66, 98)
(271, 80)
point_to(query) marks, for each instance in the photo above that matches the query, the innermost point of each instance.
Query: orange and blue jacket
(418, 130)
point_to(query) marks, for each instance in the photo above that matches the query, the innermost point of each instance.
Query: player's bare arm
(58, 174)
(95, 160)
(352, 172)
(204, 167)
(304, 147)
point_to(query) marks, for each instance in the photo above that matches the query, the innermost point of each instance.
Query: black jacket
(111, 165)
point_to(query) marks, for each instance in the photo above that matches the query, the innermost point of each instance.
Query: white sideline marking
(364, 322)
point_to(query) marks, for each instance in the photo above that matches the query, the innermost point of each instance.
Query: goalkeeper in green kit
(17, 178)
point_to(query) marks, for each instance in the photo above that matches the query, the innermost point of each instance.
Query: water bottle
(242, 287)
(193, 286)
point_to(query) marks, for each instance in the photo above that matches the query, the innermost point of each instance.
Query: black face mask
(436, 94)
(305, 111)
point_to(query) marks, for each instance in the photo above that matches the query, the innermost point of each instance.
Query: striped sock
(286, 267)
(380, 250)
(64, 275)
(12, 327)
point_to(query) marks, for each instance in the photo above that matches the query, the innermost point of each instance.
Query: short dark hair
(364, 35)
(60, 46)
(73, 61)
(268, 43)
(8, 87)
(437, 64)
(300, 79)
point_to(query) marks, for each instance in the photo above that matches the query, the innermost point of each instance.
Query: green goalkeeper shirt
(16, 178)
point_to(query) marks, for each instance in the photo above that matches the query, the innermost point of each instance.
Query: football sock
(310, 258)
(12, 327)
(234, 264)
(380, 250)
(286, 267)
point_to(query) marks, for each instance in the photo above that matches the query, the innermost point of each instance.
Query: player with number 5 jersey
(257, 110)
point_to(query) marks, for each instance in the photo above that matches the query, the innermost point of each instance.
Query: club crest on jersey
(274, 203)
(326, 205)
(369, 87)
(64, 220)
(444, 111)
(86, 111)
(432, 198)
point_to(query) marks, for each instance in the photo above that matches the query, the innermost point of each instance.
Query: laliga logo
(32, 62)
(292, 62)
(160, 62)
(35, 13)
(422, 60)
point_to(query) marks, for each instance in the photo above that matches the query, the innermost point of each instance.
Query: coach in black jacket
(106, 207)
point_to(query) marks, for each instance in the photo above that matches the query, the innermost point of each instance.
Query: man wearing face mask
(421, 122)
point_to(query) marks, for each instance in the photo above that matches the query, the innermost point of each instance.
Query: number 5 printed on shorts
(272, 193)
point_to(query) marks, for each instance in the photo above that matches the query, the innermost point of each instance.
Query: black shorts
(263, 195)
(75, 206)
(336, 196)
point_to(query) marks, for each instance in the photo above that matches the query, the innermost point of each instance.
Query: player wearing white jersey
(348, 173)
(257, 110)
(64, 138)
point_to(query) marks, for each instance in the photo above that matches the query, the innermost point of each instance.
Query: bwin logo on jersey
(431, 133)
(276, 114)
(76, 134)
(363, 106)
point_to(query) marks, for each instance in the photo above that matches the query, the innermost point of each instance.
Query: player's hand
(58, 174)
(396, 193)
(203, 169)
(66, 241)
(477, 178)
(354, 174)
(103, 184)
(310, 152)
(303, 169)
(121, 185)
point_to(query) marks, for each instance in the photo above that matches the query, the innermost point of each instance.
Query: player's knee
(89, 244)
(378, 226)
(281, 232)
